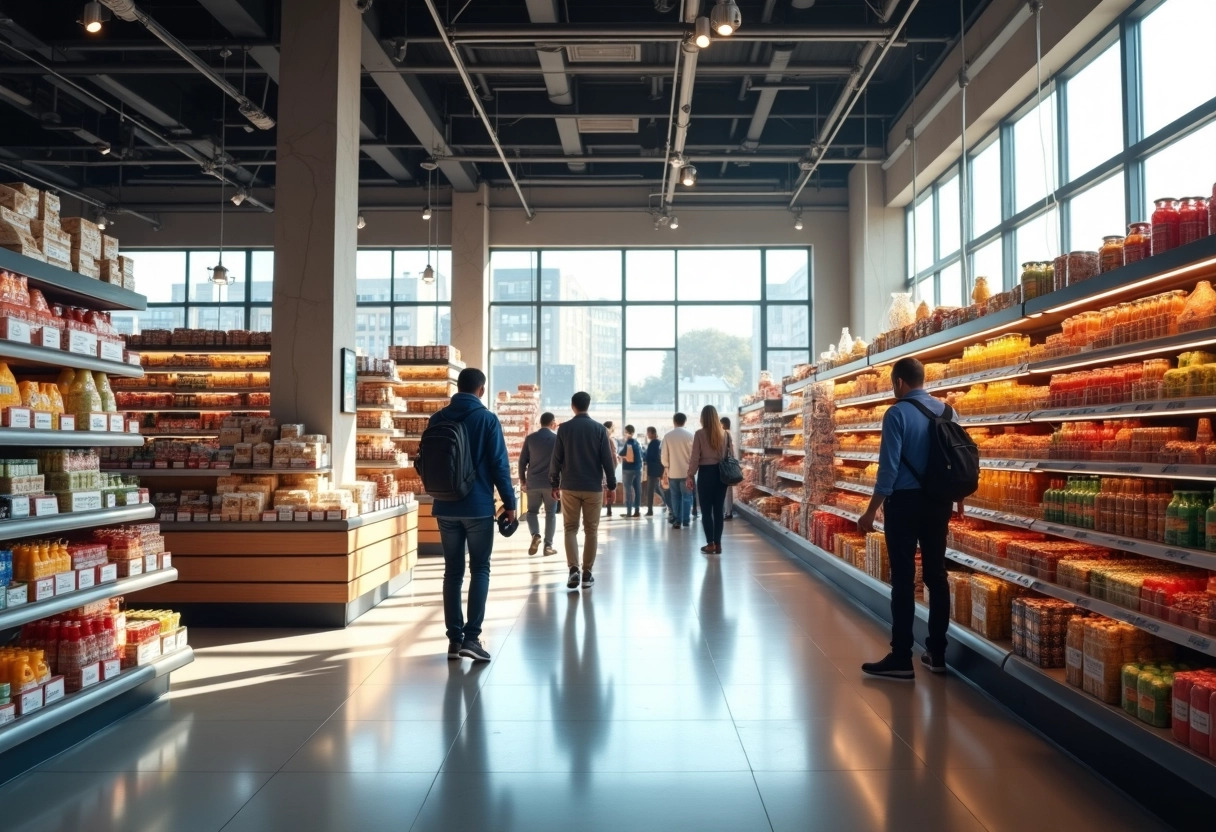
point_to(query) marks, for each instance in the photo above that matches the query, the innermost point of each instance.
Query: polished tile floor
(681, 693)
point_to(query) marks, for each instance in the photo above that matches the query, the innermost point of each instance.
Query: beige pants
(588, 504)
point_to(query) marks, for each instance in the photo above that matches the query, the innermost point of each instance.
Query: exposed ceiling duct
(128, 11)
(557, 81)
(764, 103)
(683, 110)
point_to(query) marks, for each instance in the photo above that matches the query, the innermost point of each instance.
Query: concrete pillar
(316, 200)
(471, 276)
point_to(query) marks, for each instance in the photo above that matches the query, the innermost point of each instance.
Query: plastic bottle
(1175, 523)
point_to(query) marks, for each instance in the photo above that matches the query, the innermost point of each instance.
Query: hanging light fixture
(220, 275)
(798, 223)
(360, 223)
(674, 224)
(428, 274)
(700, 32)
(725, 17)
(93, 16)
(688, 176)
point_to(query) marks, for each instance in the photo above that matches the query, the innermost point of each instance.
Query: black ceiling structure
(576, 93)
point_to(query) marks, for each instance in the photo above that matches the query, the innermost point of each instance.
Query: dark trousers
(651, 487)
(913, 517)
(455, 533)
(712, 492)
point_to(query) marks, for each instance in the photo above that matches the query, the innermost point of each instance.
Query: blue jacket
(636, 465)
(905, 435)
(489, 452)
(654, 458)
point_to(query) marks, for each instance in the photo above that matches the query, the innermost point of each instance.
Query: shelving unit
(43, 733)
(212, 473)
(1074, 718)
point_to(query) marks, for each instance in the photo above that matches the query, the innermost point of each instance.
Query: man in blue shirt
(471, 521)
(913, 514)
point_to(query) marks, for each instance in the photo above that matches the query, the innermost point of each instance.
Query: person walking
(913, 514)
(730, 489)
(610, 494)
(631, 473)
(582, 463)
(708, 449)
(675, 453)
(654, 470)
(534, 478)
(468, 523)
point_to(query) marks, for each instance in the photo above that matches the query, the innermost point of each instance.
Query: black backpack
(954, 459)
(445, 462)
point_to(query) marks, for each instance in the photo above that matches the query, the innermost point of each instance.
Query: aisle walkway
(681, 693)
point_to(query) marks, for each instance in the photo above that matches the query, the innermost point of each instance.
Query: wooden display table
(311, 574)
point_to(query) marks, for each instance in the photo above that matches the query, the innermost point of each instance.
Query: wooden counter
(323, 574)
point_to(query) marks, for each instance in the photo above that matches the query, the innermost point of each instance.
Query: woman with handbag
(715, 469)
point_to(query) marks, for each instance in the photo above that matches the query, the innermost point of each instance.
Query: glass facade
(1113, 130)
(647, 332)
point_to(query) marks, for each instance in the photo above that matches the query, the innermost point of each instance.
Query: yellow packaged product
(64, 382)
(10, 396)
(108, 403)
(83, 397)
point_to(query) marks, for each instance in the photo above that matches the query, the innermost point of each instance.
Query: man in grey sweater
(534, 462)
(582, 465)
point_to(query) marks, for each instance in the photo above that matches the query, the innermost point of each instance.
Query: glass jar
(1165, 225)
(1046, 277)
(1192, 220)
(1110, 256)
(1030, 280)
(1082, 265)
(1139, 242)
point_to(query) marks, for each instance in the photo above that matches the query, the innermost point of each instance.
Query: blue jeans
(454, 534)
(681, 501)
(632, 480)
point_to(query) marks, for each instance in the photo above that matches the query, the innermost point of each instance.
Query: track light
(674, 224)
(725, 17)
(700, 32)
(360, 223)
(798, 222)
(103, 148)
(688, 176)
(102, 222)
(427, 213)
(93, 16)
(238, 197)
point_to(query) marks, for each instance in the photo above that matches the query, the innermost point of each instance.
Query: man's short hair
(546, 419)
(630, 430)
(470, 380)
(679, 419)
(581, 401)
(652, 429)
(910, 371)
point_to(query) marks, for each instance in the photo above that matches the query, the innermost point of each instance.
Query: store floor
(681, 693)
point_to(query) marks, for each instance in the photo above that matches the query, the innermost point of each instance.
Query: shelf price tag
(15, 330)
(1199, 643)
(90, 675)
(111, 350)
(51, 338)
(53, 690)
(82, 343)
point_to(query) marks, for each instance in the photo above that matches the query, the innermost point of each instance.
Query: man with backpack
(926, 464)
(582, 468)
(462, 459)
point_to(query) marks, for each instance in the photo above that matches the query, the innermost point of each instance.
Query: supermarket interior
(247, 249)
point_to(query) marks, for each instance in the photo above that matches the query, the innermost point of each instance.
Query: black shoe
(891, 668)
(936, 662)
(573, 582)
(729, 517)
(588, 579)
(472, 649)
(454, 649)
(650, 513)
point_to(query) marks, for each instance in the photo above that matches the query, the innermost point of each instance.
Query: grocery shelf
(24, 613)
(851, 368)
(29, 355)
(790, 475)
(52, 523)
(393, 432)
(28, 727)
(763, 404)
(857, 456)
(801, 384)
(776, 492)
(377, 379)
(383, 464)
(175, 409)
(60, 284)
(1203, 405)
(1010, 464)
(203, 473)
(452, 364)
(21, 437)
(179, 434)
(752, 450)
(282, 526)
(845, 513)
(859, 401)
(200, 349)
(1148, 623)
(861, 427)
(1135, 349)
(370, 408)
(1155, 470)
(191, 391)
(996, 419)
(792, 451)
(855, 487)
(791, 431)
(793, 411)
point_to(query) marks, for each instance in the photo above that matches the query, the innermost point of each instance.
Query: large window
(647, 332)
(395, 305)
(1122, 124)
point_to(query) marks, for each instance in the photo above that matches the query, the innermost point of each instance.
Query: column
(471, 276)
(316, 207)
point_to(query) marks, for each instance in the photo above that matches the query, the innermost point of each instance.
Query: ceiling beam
(411, 102)
(626, 70)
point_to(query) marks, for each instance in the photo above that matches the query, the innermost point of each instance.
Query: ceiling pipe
(566, 34)
(214, 167)
(683, 113)
(481, 111)
(557, 82)
(695, 158)
(1021, 15)
(628, 70)
(764, 103)
(128, 11)
(766, 17)
(850, 95)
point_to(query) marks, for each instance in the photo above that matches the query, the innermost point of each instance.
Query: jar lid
(1110, 237)
(1160, 200)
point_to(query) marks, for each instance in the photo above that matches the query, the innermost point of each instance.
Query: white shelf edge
(21, 437)
(52, 523)
(34, 610)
